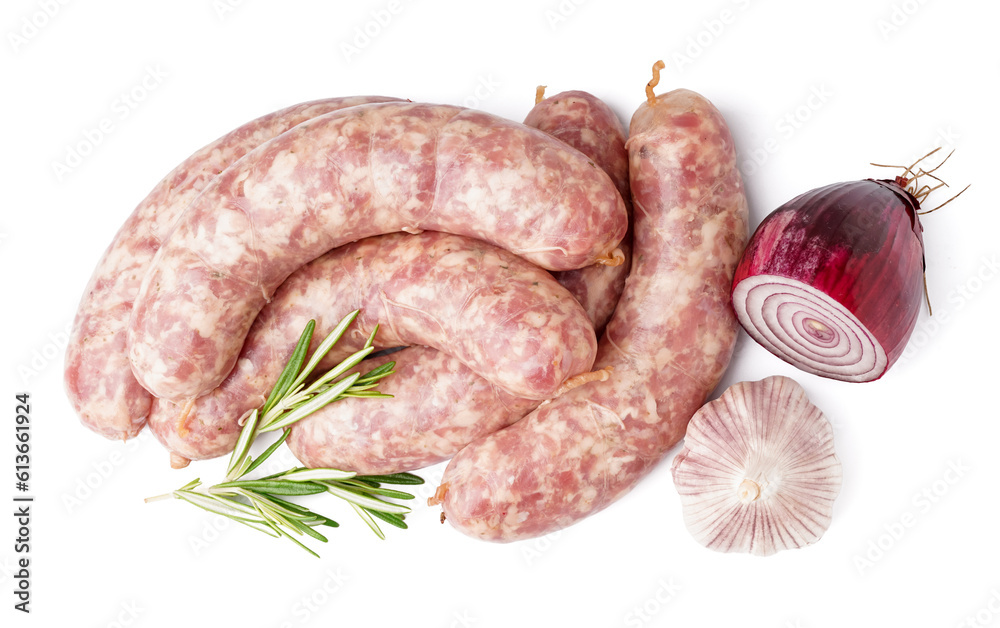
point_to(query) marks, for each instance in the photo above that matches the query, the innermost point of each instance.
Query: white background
(897, 79)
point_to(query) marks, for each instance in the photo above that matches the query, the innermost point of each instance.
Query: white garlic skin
(758, 473)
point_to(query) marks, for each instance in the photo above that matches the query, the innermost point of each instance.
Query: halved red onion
(831, 281)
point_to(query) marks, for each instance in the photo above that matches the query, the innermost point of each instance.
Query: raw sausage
(588, 124)
(668, 343)
(98, 377)
(506, 319)
(438, 404)
(343, 176)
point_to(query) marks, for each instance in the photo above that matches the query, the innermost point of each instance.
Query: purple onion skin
(860, 243)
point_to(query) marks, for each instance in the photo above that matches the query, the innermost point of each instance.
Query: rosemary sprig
(260, 503)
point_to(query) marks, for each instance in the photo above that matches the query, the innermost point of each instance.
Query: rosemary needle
(261, 503)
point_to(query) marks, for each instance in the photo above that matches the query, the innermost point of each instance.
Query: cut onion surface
(831, 281)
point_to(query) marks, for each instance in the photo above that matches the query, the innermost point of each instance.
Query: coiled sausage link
(668, 343)
(98, 377)
(343, 176)
(506, 319)
(438, 404)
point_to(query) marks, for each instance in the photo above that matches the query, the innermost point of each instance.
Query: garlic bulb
(758, 472)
